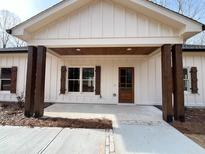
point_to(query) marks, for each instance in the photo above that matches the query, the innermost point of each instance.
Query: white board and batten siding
(108, 22)
(19, 60)
(147, 77)
(196, 59)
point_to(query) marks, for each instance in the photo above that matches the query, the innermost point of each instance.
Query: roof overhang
(188, 27)
(193, 48)
(13, 50)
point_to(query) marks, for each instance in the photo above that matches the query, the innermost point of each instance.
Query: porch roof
(105, 51)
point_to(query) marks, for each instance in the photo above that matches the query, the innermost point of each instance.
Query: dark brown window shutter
(63, 80)
(13, 79)
(194, 80)
(98, 80)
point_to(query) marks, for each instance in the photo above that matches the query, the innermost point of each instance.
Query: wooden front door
(126, 85)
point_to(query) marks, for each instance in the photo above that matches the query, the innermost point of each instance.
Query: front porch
(103, 27)
(152, 79)
(119, 114)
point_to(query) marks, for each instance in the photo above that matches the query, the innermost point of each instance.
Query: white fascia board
(109, 42)
(162, 14)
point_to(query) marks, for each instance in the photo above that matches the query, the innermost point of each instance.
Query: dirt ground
(12, 115)
(194, 126)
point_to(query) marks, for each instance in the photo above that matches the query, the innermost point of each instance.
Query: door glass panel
(126, 78)
(122, 72)
(129, 85)
(122, 78)
(129, 79)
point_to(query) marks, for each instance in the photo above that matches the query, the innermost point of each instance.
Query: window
(5, 79)
(187, 81)
(74, 79)
(88, 80)
(81, 79)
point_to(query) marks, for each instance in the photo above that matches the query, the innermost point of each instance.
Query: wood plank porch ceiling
(105, 51)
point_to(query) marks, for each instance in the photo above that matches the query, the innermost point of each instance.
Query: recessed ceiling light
(129, 49)
(78, 49)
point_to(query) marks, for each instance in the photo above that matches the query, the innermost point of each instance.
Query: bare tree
(7, 21)
(161, 2)
(17, 42)
(191, 8)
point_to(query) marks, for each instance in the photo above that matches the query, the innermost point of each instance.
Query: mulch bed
(194, 121)
(11, 114)
(194, 125)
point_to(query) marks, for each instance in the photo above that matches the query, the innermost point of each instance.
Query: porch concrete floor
(137, 129)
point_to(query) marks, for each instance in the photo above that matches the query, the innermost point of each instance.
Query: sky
(193, 4)
(26, 8)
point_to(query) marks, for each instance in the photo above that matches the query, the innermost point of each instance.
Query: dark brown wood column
(40, 81)
(30, 81)
(166, 83)
(178, 83)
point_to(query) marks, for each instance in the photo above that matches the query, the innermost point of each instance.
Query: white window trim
(4, 91)
(81, 80)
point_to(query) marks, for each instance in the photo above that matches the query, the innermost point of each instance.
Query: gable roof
(188, 26)
(13, 50)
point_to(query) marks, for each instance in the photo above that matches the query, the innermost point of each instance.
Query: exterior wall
(19, 60)
(101, 19)
(147, 78)
(197, 60)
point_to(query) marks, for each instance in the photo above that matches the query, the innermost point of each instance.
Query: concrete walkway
(24, 140)
(137, 130)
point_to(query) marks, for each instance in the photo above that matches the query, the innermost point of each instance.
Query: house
(106, 52)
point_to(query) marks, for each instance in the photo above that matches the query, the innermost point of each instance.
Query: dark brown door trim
(126, 93)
